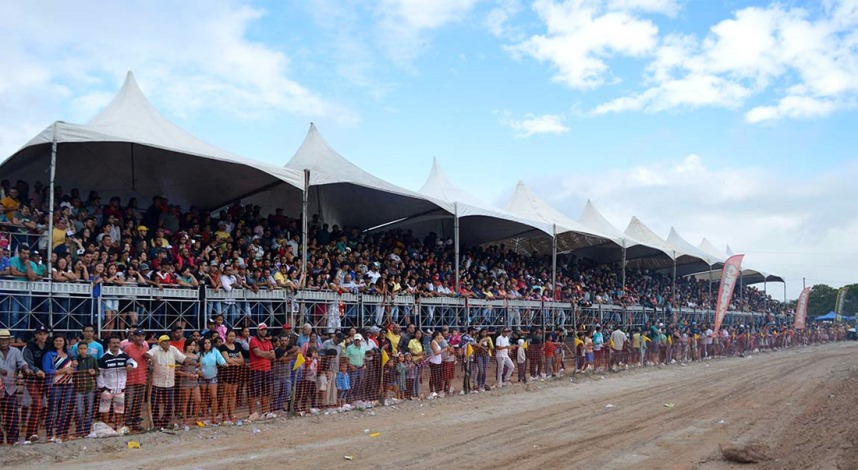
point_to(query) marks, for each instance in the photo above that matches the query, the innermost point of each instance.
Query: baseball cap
(358, 337)
(262, 325)
(142, 228)
(140, 332)
(40, 329)
(144, 266)
(163, 338)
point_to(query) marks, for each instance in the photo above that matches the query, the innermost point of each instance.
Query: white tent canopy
(710, 249)
(592, 218)
(685, 262)
(130, 150)
(749, 275)
(571, 234)
(342, 193)
(683, 245)
(479, 222)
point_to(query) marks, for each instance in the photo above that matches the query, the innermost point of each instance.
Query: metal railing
(69, 306)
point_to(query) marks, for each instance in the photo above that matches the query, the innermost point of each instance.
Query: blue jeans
(282, 392)
(482, 366)
(18, 314)
(59, 410)
(356, 382)
(85, 402)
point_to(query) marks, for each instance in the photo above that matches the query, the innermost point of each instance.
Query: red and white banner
(729, 276)
(801, 309)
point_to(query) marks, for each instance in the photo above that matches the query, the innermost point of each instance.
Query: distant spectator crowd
(164, 245)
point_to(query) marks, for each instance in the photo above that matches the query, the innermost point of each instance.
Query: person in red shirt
(135, 388)
(177, 337)
(261, 355)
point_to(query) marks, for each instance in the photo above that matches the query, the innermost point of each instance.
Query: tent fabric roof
(638, 230)
(126, 148)
(680, 243)
(710, 249)
(346, 194)
(439, 189)
(635, 249)
(571, 235)
(686, 263)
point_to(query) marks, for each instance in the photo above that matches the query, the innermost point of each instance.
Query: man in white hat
(11, 361)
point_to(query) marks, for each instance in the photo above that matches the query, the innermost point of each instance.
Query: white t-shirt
(619, 338)
(708, 336)
(501, 342)
(164, 365)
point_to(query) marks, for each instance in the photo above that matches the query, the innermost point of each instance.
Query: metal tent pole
(456, 242)
(624, 268)
(305, 197)
(50, 234)
(554, 262)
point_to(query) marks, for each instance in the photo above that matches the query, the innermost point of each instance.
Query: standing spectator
(115, 366)
(521, 360)
(22, 268)
(11, 361)
(163, 358)
(282, 371)
(435, 360)
(503, 348)
(59, 368)
(135, 384)
(233, 354)
(33, 354)
(355, 355)
(618, 344)
(261, 356)
(190, 399)
(95, 348)
(210, 359)
(84, 387)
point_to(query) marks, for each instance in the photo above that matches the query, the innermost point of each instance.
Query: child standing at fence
(342, 381)
(588, 353)
(391, 381)
(306, 396)
(84, 387)
(412, 378)
(401, 379)
(521, 360)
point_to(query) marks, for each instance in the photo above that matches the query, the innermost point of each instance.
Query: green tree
(821, 300)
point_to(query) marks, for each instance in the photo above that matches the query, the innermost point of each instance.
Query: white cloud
(532, 124)
(582, 34)
(791, 107)
(405, 24)
(498, 18)
(807, 61)
(786, 222)
(190, 57)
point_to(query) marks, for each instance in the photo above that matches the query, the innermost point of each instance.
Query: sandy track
(780, 398)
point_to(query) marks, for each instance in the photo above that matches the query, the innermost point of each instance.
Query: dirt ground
(802, 402)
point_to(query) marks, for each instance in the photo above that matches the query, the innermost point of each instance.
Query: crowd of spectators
(120, 242)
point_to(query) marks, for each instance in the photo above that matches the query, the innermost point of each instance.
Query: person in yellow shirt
(10, 203)
(394, 335)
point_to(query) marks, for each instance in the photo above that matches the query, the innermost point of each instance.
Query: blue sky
(732, 120)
